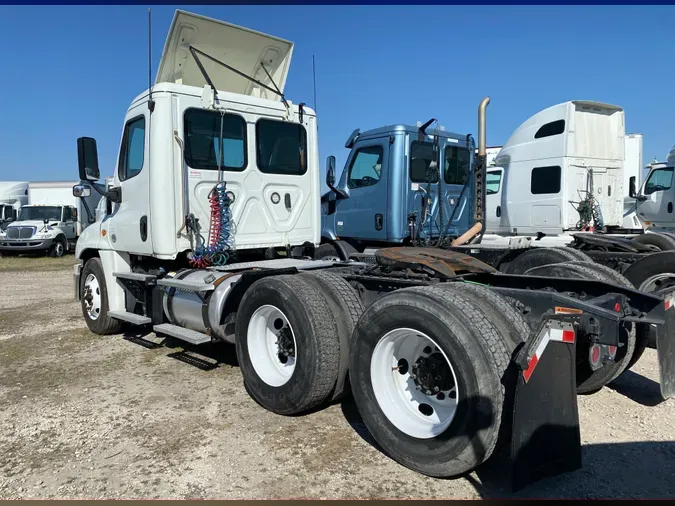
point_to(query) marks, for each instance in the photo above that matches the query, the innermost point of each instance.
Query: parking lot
(132, 417)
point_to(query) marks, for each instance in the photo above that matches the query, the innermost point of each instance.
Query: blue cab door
(363, 214)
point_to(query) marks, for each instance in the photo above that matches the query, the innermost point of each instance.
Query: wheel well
(88, 254)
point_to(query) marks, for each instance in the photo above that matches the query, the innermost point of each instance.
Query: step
(134, 318)
(188, 286)
(181, 333)
(136, 276)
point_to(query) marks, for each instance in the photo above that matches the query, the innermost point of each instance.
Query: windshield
(41, 213)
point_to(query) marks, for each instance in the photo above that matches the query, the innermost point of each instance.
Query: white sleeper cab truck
(50, 223)
(213, 215)
(13, 195)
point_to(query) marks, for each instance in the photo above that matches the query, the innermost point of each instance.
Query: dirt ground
(83, 416)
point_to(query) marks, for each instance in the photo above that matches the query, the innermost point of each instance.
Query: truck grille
(20, 232)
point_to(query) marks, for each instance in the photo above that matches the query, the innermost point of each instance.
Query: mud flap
(545, 439)
(665, 347)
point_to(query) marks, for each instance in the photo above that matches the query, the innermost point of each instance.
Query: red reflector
(568, 336)
(531, 364)
(612, 350)
(667, 303)
(617, 307)
(595, 354)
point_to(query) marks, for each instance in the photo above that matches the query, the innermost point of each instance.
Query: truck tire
(496, 308)
(95, 309)
(347, 308)
(652, 273)
(287, 344)
(641, 331)
(326, 252)
(660, 241)
(395, 331)
(59, 247)
(536, 257)
(589, 381)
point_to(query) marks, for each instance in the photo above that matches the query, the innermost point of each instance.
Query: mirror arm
(114, 194)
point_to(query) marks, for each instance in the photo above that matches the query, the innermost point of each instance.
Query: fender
(343, 248)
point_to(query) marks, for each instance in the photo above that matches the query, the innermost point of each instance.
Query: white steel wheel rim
(263, 336)
(58, 248)
(92, 296)
(654, 282)
(410, 410)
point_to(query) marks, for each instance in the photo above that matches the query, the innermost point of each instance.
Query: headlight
(43, 236)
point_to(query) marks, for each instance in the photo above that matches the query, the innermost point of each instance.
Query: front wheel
(59, 247)
(94, 300)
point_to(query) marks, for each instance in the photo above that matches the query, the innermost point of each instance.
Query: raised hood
(238, 47)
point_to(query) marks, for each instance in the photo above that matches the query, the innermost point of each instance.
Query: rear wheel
(426, 368)
(347, 308)
(659, 242)
(537, 257)
(651, 273)
(287, 344)
(589, 380)
(327, 252)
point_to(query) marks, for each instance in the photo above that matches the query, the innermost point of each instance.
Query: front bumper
(77, 270)
(20, 245)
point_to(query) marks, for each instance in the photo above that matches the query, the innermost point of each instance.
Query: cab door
(128, 225)
(363, 215)
(69, 222)
(493, 199)
(655, 204)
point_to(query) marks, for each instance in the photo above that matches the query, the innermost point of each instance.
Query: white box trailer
(51, 221)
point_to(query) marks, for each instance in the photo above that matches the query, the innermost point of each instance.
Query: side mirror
(330, 171)
(87, 158)
(81, 190)
(631, 187)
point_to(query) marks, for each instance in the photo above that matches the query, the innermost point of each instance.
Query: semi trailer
(211, 223)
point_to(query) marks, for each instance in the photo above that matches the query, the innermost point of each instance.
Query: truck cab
(39, 228)
(389, 190)
(655, 200)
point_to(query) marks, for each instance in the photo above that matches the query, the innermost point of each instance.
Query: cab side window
(67, 214)
(365, 167)
(659, 180)
(132, 155)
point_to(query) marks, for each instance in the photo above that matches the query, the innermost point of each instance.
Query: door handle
(144, 228)
(670, 207)
(378, 221)
(499, 211)
(287, 201)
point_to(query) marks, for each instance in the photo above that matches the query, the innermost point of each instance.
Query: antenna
(314, 77)
(151, 103)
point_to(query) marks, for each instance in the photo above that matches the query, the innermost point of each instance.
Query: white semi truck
(13, 195)
(207, 235)
(50, 222)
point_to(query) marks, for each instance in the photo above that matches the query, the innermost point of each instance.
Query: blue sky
(72, 71)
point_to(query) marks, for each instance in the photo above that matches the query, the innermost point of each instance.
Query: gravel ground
(122, 417)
